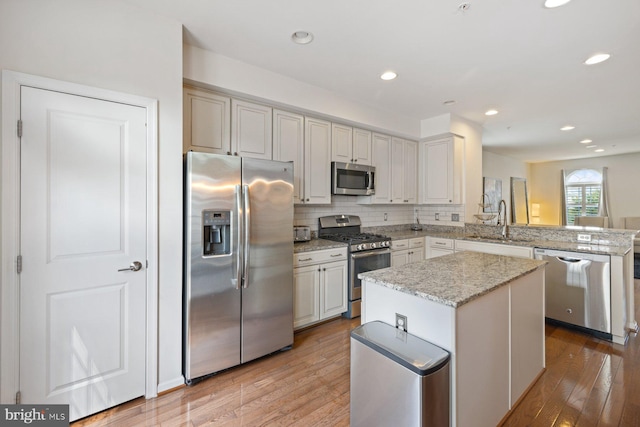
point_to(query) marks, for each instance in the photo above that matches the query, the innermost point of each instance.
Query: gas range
(360, 241)
(346, 228)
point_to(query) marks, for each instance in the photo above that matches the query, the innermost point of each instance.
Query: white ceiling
(512, 55)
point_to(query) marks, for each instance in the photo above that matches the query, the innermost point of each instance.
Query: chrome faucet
(503, 212)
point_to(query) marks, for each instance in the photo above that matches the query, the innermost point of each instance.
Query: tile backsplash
(379, 215)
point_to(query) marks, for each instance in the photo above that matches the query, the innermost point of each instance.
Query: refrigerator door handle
(246, 236)
(237, 259)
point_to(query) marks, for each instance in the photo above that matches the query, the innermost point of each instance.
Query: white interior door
(83, 217)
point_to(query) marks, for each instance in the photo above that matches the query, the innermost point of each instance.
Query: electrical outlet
(385, 216)
(455, 217)
(437, 216)
(584, 237)
(401, 322)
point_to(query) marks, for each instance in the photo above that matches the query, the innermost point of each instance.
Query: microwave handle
(369, 182)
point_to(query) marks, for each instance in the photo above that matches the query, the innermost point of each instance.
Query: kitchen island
(486, 310)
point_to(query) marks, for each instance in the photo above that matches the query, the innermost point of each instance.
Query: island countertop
(455, 279)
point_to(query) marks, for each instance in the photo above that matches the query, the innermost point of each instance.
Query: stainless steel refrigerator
(238, 261)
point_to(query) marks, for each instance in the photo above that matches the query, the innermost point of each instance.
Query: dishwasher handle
(565, 259)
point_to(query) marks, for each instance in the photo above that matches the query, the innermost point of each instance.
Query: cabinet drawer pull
(306, 259)
(440, 243)
(335, 255)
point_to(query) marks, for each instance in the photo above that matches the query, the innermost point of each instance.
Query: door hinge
(19, 128)
(18, 397)
(19, 264)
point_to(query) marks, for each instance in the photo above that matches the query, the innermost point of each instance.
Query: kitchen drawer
(439, 243)
(318, 257)
(416, 243)
(397, 245)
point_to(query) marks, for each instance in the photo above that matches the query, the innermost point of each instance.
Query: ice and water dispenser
(216, 232)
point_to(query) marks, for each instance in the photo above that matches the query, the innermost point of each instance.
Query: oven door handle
(374, 252)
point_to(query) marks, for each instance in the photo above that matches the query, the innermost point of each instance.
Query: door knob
(135, 266)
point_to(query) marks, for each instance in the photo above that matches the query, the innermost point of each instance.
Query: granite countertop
(319, 244)
(553, 244)
(455, 279)
(543, 244)
(410, 234)
(316, 245)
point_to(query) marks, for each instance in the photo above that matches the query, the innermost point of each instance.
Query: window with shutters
(582, 190)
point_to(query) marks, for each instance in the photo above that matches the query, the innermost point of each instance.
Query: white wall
(112, 45)
(623, 173)
(503, 168)
(374, 215)
(227, 74)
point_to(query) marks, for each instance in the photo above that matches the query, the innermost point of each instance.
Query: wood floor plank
(587, 382)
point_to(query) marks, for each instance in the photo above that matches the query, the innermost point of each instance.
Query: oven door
(361, 262)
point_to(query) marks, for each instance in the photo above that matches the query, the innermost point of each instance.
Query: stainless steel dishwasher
(578, 290)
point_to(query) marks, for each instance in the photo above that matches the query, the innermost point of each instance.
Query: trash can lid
(416, 354)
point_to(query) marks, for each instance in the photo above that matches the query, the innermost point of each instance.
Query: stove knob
(359, 247)
(373, 246)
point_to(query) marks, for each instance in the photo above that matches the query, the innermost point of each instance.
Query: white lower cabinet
(319, 286)
(494, 248)
(407, 251)
(437, 246)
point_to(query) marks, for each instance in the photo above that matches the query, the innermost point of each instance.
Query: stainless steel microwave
(352, 179)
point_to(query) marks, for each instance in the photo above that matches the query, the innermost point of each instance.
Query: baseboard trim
(167, 386)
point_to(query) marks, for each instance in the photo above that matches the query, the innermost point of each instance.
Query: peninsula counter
(486, 310)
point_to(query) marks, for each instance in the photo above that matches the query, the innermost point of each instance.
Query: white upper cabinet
(217, 124)
(317, 161)
(207, 121)
(380, 159)
(288, 145)
(442, 171)
(251, 130)
(349, 145)
(341, 143)
(410, 172)
(362, 149)
(404, 167)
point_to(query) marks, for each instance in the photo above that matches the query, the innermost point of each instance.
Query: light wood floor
(588, 382)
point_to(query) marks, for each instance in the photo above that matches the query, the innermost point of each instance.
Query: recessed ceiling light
(591, 146)
(568, 127)
(550, 4)
(586, 141)
(388, 75)
(302, 37)
(599, 150)
(598, 58)
(491, 112)
(449, 102)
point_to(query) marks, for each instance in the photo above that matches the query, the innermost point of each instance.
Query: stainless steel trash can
(397, 379)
